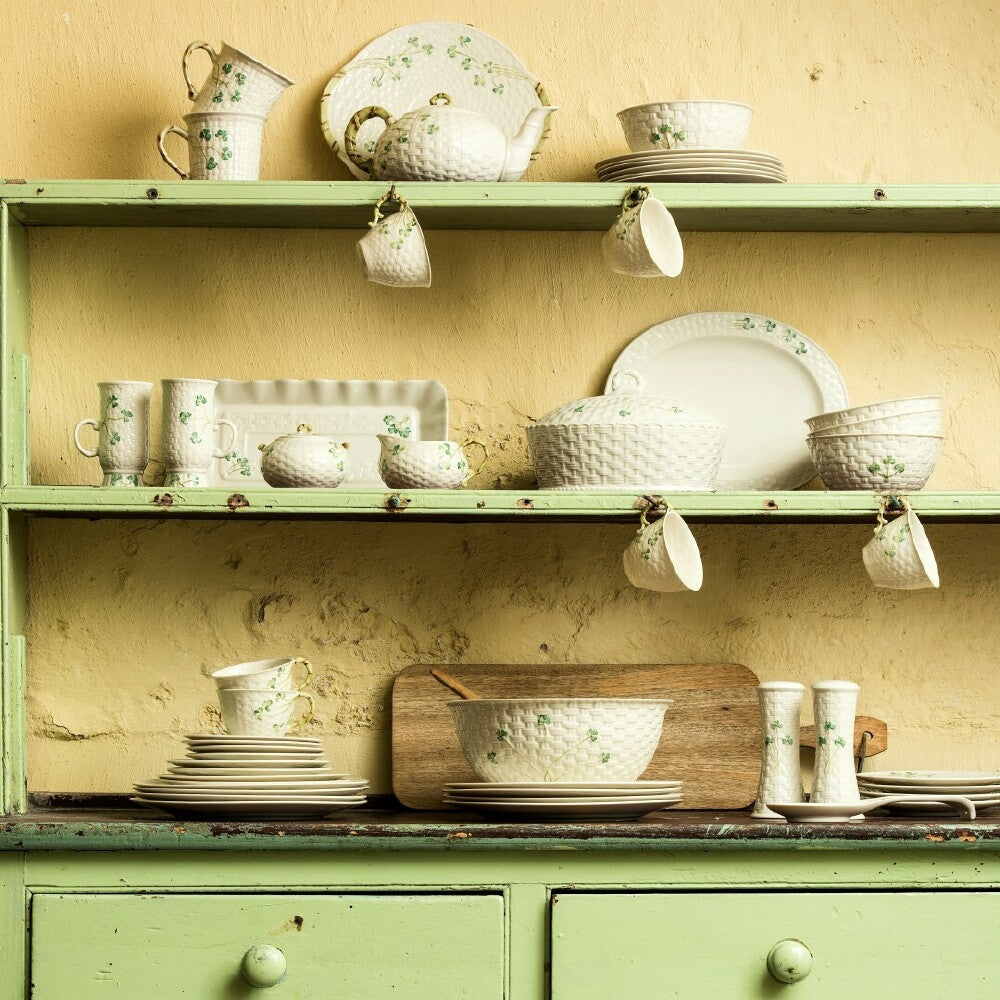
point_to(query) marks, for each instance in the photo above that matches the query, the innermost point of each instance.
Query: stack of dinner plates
(611, 800)
(982, 787)
(732, 166)
(263, 777)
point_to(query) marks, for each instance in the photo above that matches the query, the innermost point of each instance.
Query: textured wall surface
(125, 619)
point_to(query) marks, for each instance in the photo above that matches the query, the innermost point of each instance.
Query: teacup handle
(309, 671)
(224, 422)
(303, 720)
(164, 155)
(357, 156)
(473, 443)
(86, 422)
(193, 92)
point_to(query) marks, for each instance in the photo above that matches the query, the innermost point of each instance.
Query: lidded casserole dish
(627, 440)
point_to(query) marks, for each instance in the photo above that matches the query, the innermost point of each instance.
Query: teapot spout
(520, 148)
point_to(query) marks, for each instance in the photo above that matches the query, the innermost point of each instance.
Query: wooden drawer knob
(263, 966)
(789, 961)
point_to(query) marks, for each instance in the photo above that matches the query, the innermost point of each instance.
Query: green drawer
(408, 947)
(693, 946)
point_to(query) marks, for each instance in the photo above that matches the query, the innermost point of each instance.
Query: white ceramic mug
(439, 465)
(122, 432)
(900, 557)
(275, 675)
(261, 711)
(393, 252)
(189, 426)
(664, 556)
(222, 146)
(236, 81)
(644, 241)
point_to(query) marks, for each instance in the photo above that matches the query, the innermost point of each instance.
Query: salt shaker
(780, 774)
(834, 706)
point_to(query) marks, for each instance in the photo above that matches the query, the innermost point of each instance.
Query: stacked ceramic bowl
(981, 787)
(700, 141)
(259, 777)
(561, 758)
(885, 446)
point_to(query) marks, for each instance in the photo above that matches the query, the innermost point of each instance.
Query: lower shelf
(483, 505)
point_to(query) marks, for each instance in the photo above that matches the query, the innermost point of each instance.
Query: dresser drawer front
(122, 947)
(690, 946)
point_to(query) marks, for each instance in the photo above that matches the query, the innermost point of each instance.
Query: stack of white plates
(733, 166)
(982, 787)
(252, 776)
(610, 800)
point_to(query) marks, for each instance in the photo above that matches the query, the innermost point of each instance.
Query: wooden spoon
(456, 685)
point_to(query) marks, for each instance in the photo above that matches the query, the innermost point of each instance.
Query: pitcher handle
(304, 720)
(224, 422)
(193, 92)
(86, 422)
(357, 157)
(164, 155)
(473, 443)
(309, 671)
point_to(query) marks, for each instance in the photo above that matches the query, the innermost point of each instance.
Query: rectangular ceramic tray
(351, 410)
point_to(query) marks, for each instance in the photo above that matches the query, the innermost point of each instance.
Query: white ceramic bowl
(872, 411)
(885, 463)
(686, 125)
(922, 422)
(559, 739)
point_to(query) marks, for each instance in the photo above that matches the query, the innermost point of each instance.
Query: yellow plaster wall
(126, 618)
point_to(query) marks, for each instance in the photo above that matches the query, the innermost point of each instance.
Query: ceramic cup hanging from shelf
(222, 146)
(664, 555)
(900, 557)
(441, 465)
(393, 251)
(189, 427)
(644, 241)
(122, 432)
(835, 779)
(236, 81)
(781, 773)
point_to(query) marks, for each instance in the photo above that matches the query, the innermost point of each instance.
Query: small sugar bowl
(304, 459)
(440, 465)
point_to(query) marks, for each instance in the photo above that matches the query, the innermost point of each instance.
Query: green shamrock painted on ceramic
(184, 416)
(545, 720)
(662, 134)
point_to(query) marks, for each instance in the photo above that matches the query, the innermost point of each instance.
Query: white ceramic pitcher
(236, 82)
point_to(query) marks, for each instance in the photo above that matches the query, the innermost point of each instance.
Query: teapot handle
(359, 158)
(193, 91)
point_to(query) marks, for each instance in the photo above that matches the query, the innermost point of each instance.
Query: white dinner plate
(249, 757)
(214, 748)
(969, 791)
(177, 784)
(551, 809)
(694, 168)
(252, 796)
(252, 760)
(558, 792)
(645, 157)
(267, 740)
(759, 376)
(933, 777)
(263, 773)
(249, 810)
(693, 177)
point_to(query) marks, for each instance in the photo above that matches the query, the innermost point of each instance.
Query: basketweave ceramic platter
(352, 410)
(404, 68)
(758, 375)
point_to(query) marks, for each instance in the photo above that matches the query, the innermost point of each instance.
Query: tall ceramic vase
(780, 774)
(834, 706)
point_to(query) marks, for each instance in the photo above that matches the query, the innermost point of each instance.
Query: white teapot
(444, 143)
(304, 459)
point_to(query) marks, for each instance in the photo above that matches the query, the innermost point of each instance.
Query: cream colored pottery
(304, 459)
(236, 81)
(276, 675)
(835, 778)
(880, 460)
(122, 432)
(432, 465)
(664, 556)
(394, 252)
(261, 711)
(686, 125)
(781, 773)
(873, 411)
(644, 241)
(441, 142)
(189, 430)
(222, 146)
(900, 557)
(559, 739)
(844, 812)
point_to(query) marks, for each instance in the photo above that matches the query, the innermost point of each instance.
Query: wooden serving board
(710, 736)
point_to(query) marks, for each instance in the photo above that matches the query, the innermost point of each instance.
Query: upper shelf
(900, 208)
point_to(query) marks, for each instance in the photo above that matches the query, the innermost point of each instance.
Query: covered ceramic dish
(303, 459)
(627, 440)
(440, 142)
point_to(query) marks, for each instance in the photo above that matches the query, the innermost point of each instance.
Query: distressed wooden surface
(710, 733)
(878, 735)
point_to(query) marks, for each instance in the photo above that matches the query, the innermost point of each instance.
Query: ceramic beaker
(781, 773)
(122, 432)
(834, 705)
(189, 428)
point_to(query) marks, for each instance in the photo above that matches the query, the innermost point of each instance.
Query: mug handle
(309, 671)
(470, 443)
(224, 422)
(86, 422)
(303, 720)
(164, 155)
(193, 92)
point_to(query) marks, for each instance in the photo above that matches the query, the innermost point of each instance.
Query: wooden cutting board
(710, 735)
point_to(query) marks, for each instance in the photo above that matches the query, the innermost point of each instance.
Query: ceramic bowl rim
(686, 101)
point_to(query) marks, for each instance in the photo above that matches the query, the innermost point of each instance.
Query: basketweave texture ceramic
(260, 712)
(879, 462)
(189, 430)
(122, 432)
(274, 674)
(874, 411)
(439, 465)
(924, 422)
(559, 739)
(644, 242)
(835, 778)
(664, 556)
(627, 439)
(686, 125)
(236, 82)
(394, 252)
(304, 459)
(781, 772)
(900, 557)
(222, 146)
